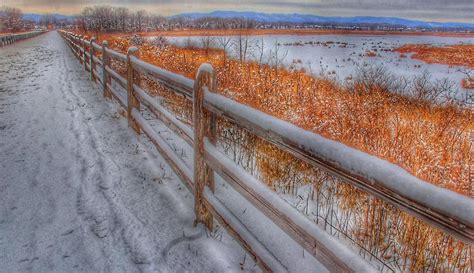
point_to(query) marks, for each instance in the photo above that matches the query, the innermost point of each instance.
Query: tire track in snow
(101, 177)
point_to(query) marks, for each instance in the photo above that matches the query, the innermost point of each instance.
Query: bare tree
(11, 19)
(424, 88)
(206, 43)
(377, 77)
(277, 56)
(122, 15)
(224, 42)
(243, 46)
(260, 50)
(141, 18)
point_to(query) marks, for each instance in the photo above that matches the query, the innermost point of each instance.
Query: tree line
(11, 20)
(108, 19)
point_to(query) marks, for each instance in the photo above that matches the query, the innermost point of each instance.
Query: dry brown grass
(462, 55)
(432, 142)
(459, 55)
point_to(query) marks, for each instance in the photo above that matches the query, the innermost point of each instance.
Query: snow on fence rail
(9, 39)
(449, 211)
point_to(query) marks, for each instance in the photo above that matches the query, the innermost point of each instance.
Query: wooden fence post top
(205, 76)
(93, 40)
(133, 50)
(105, 43)
(205, 67)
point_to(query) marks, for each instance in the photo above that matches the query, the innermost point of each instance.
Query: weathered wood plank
(447, 221)
(301, 229)
(178, 166)
(165, 116)
(97, 76)
(97, 61)
(91, 59)
(84, 53)
(264, 258)
(105, 74)
(120, 98)
(133, 102)
(97, 46)
(203, 175)
(116, 76)
(176, 82)
(116, 55)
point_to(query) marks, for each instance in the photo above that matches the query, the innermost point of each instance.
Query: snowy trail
(79, 191)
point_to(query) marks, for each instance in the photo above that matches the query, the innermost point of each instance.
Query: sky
(427, 10)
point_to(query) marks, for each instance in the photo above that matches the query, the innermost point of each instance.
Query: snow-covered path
(79, 191)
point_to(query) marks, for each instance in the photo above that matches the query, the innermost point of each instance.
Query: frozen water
(338, 56)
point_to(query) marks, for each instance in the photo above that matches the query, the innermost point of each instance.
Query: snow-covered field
(79, 191)
(338, 56)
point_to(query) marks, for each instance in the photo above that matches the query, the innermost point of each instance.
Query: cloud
(418, 9)
(438, 10)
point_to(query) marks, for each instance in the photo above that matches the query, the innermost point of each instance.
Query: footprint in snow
(69, 232)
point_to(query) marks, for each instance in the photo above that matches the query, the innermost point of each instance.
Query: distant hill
(308, 18)
(37, 17)
(296, 18)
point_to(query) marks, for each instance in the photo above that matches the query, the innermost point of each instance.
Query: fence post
(204, 126)
(132, 77)
(72, 40)
(83, 43)
(79, 47)
(105, 63)
(78, 44)
(91, 59)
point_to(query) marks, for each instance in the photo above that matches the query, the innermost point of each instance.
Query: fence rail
(451, 212)
(9, 39)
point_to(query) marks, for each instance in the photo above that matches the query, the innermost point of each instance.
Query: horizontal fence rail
(451, 212)
(9, 39)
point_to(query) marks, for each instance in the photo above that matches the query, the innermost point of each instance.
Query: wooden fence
(441, 208)
(9, 39)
